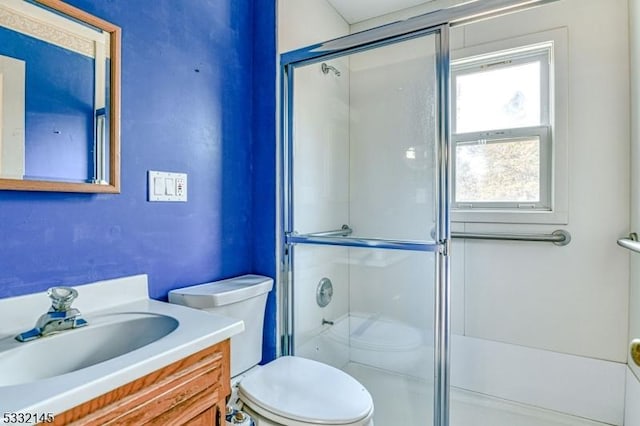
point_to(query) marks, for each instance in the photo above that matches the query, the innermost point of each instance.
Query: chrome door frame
(442, 232)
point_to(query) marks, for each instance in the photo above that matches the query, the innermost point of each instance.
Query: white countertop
(196, 330)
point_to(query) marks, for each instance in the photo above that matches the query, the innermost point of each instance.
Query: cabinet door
(210, 417)
(189, 391)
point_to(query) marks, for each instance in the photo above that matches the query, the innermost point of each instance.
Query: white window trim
(558, 117)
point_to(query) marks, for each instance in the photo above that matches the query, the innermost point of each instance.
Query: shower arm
(326, 68)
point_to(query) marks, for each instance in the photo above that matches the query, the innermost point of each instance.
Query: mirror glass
(59, 98)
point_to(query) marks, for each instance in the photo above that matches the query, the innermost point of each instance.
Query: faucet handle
(62, 297)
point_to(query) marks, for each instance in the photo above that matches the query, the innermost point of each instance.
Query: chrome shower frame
(435, 23)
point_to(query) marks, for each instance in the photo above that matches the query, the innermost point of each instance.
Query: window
(502, 133)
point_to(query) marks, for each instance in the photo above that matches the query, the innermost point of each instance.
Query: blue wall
(198, 96)
(264, 152)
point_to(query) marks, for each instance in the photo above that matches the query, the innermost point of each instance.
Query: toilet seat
(299, 391)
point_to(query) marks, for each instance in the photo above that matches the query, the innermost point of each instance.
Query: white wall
(632, 414)
(305, 22)
(421, 9)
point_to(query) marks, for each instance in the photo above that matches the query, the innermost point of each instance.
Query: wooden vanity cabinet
(191, 391)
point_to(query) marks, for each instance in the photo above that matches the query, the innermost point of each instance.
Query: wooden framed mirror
(59, 99)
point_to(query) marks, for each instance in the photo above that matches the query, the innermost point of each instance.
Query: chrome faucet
(60, 316)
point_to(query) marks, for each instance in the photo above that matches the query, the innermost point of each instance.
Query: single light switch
(169, 185)
(158, 186)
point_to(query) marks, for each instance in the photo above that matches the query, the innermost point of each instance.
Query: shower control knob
(324, 292)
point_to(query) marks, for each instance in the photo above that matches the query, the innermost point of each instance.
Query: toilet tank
(243, 298)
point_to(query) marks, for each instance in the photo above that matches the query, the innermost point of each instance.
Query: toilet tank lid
(223, 292)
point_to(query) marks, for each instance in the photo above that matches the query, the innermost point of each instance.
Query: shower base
(401, 400)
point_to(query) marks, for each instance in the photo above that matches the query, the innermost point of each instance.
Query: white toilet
(290, 391)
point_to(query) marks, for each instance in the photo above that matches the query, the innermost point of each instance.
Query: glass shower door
(366, 223)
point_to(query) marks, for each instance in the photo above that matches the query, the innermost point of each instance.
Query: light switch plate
(167, 186)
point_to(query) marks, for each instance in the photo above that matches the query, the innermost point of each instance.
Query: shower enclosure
(365, 208)
(366, 205)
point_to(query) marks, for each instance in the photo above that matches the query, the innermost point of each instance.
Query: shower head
(326, 68)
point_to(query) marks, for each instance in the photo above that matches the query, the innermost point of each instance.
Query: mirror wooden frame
(114, 121)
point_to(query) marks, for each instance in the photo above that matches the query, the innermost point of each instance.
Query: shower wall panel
(321, 148)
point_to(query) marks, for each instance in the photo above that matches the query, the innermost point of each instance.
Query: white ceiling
(360, 10)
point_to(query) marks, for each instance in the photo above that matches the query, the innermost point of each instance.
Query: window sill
(510, 216)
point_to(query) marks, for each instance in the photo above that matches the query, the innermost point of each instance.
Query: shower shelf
(631, 242)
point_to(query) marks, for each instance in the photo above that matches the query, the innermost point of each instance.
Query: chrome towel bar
(630, 242)
(558, 237)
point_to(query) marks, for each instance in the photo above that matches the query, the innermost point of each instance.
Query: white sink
(127, 337)
(106, 337)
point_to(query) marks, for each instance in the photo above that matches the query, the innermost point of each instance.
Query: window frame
(541, 53)
(553, 131)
